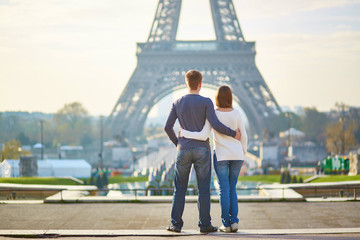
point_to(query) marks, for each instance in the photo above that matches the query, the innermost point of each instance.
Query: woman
(229, 155)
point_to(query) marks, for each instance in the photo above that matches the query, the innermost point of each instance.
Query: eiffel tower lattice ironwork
(163, 62)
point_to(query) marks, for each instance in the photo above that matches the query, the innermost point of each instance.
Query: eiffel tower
(163, 62)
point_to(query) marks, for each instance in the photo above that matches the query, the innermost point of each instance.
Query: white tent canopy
(10, 168)
(78, 168)
(38, 145)
(45, 168)
(293, 132)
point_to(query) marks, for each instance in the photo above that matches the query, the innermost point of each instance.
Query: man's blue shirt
(192, 110)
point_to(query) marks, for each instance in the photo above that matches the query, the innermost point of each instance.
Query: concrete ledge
(21, 201)
(275, 192)
(15, 186)
(160, 232)
(332, 199)
(159, 199)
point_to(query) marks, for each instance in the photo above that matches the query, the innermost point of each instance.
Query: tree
(86, 139)
(24, 140)
(72, 113)
(2, 125)
(294, 180)
(339, 138)
(340, 134)
(11, 150)
(282, 122)
(354, 117)
(10, 126)
(73, 125)
(314, 123)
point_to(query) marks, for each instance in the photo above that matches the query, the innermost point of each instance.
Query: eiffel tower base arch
(160, 72)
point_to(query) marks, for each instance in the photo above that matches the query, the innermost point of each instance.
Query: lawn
(64, 181)
(266, 178)
(39, 180)
(261, 178)
(127, 179)
(337, 178)
(276, 178)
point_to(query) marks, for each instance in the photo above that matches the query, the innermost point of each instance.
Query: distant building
(4, 169)
(72, 152)
(299, 110)
(285, 109)
(117, 155)
(269, 154)
(273, 154)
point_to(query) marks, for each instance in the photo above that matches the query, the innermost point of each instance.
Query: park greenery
(261, 178)
(276, 178)
(287, 178)
(100, 180)
(338, 129)
(336, 178)
(39, 180)
(70, 125)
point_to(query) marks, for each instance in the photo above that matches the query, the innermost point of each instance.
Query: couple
(196, 116)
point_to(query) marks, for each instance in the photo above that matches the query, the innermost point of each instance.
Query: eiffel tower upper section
(164, 27)
(163, 62)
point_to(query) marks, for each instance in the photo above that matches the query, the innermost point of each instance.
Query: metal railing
(315, 191)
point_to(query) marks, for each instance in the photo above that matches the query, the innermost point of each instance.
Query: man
(192, 110)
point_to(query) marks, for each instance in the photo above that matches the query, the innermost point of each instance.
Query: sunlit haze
(57, 52)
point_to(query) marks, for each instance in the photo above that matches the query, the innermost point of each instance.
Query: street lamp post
(12, 169)
(20, 150)
(101, 142)
(133, 156)
(342, 120)
(289, 152)
(42, 138)
(59, 150)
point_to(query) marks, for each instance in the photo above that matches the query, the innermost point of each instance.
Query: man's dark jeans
(201, 159)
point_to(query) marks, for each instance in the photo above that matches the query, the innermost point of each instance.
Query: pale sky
(61, 51)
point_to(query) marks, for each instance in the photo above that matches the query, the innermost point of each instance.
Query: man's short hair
(193, 79)
(223, 97)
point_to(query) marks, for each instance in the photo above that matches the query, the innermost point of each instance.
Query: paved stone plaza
(220, 236)
(152, 216)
